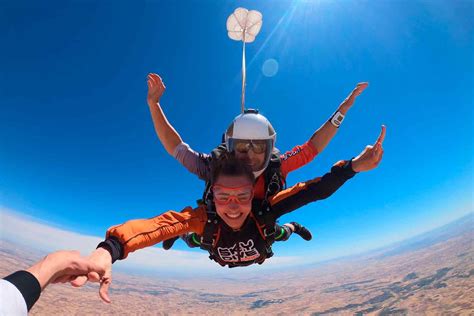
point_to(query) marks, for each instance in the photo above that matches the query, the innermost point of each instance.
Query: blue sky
(78, 149)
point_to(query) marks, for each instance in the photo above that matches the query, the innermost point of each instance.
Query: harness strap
(273, 178)
(266, 227)
(207, 238)
(274, 183)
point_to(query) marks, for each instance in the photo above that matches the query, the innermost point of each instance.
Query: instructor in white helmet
(250, 135)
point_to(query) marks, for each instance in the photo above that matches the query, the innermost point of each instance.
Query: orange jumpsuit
(233, 248)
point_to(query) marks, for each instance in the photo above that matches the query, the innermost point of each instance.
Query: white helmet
(252, 126)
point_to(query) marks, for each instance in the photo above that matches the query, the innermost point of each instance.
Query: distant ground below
(430, 274)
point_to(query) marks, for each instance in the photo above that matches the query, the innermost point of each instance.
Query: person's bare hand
(103, 259)
(156, 88)
(63, 266)
(349, 101)
(371, 156)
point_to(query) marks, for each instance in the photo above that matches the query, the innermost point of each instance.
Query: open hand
(371, 156)
(156, 88)
(349, 101)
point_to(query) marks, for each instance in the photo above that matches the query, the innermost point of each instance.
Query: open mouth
(233, 215)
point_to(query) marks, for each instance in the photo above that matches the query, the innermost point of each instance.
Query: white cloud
(34, 233)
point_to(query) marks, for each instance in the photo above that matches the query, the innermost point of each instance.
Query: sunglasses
(242, 194)
(243, 146)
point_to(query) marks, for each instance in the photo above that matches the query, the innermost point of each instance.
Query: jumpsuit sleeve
(140, 233)
(297, 157)
(18, 293)
(313, 190)
(196, 163)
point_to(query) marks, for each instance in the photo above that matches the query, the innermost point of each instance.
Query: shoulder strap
(274, 181)
(273, 184)
(265, 222)
(210, 229)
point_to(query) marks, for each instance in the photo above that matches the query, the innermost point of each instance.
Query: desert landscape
(429, 274)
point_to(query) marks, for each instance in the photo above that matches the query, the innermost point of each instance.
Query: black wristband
(28, 286)
(348, 168)
(114, 247)
(345, 170)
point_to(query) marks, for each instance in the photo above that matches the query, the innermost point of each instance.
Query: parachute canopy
(244, 25)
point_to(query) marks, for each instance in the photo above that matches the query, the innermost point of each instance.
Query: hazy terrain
(430, 274)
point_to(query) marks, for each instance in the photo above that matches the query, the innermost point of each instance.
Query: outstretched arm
(321, 188)
(194, 161)
(137, 234)
(168, 136)
(325, 133)
(301, 155)
(140, 233)
(19, 291)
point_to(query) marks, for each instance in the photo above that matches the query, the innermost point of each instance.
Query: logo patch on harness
(239, 252)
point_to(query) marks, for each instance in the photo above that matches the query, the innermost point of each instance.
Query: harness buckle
(206, 244)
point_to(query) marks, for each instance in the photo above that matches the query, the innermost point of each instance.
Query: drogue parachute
(244, 25)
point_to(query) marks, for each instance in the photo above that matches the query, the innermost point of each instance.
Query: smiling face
(253, 152)
(233, 199)
(255, 161)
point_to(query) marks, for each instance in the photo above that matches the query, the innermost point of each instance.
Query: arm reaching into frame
(19, 291)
